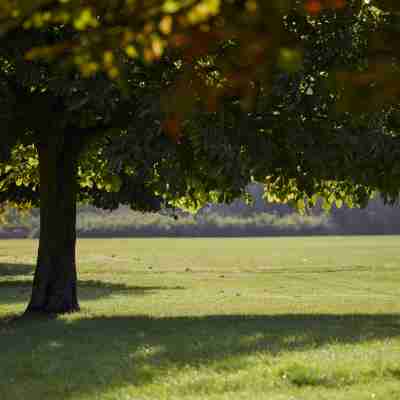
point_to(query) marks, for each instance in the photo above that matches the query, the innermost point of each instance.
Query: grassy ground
(276, 319)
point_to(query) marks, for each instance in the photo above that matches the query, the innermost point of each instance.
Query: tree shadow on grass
(102, 354)
(19, 290)
(11, 269)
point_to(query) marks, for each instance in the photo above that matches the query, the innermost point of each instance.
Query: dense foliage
(278, 116)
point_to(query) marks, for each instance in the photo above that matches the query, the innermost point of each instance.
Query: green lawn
(265, 318)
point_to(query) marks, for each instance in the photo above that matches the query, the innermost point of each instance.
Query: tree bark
(55, 282)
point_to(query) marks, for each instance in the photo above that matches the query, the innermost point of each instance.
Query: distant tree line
(257, 218)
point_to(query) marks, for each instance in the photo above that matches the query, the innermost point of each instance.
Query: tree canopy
(106, 31)
(285, 66)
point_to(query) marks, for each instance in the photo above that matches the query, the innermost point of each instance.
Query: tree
(78, 127)
(184, 112)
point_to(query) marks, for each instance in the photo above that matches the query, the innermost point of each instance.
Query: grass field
(274, 318)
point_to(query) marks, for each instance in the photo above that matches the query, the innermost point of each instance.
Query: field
(260, 318)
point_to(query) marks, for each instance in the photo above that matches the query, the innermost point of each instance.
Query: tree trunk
(55, 281)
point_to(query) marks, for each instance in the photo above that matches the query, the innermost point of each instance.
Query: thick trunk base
(54, 289)
(56, 307)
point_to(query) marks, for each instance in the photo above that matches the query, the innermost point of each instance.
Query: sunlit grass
(289, 318)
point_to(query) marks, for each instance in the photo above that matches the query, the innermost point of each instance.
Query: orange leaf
(313, 7)
(172, 127)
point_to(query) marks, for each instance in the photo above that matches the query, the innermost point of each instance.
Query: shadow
(16, 291)
(113, 352)
(10, 269)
